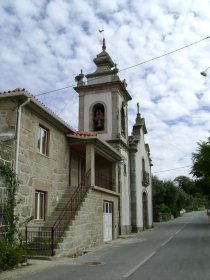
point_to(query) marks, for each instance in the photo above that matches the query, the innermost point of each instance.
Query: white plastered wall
(125, 192)
(142, 153)
(89, 101)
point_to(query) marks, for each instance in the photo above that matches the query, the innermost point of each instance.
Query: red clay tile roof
(42, 104)
(83, 133)
(14, 90)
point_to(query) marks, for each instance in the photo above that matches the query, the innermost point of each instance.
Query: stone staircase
(45, 239)
(85, 230)
(60, 206)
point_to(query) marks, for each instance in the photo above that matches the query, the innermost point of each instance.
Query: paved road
(178, 249)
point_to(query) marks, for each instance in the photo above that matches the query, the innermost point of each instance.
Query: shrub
(9, 256)
(162, 208)
(11, 245)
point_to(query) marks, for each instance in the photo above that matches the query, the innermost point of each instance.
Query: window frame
(40, 210)
(100, 107)
(43, 145)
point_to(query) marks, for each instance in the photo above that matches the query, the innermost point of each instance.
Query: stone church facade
(83, 187)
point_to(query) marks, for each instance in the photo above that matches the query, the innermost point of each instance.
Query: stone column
(133, 151)
(90, 162)
(115, 176)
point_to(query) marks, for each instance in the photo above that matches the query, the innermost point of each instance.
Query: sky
(45, 43)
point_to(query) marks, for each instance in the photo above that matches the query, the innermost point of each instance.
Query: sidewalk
(34, 265)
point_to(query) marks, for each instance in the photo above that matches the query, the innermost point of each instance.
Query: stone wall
(3, 196)
(86, 229)
(7, 149)
(8, 119)
(38, 172)
(163, 217)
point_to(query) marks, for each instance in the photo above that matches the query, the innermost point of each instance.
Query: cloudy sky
(45, 43)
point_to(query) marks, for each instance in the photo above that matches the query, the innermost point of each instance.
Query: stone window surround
(91, 116)
(37, 214)
(39, 146)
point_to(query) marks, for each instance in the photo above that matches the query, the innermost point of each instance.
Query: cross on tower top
(101, 31)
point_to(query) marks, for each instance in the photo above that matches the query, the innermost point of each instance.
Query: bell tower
(103, 100)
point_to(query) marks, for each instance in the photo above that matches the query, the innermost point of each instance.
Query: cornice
(108, 85)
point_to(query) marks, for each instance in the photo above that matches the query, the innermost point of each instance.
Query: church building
(103, 109)
(80, 187)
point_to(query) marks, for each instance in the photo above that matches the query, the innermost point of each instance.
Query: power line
(168, 53)
(132, 66)
(172, 169)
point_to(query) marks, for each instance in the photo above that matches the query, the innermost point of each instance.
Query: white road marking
(135, 268)
(172, 236)
(178, 231)
(164, 243)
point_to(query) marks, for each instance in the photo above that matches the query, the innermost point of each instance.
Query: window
(40, 205)
(43, 141)
(143, 166)
(123, 118)
(98, 117)
(145, 175)
(125, 169)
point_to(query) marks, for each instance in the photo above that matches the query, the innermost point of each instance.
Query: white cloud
(44, 44)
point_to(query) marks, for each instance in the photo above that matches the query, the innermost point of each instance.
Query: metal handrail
(45, 239)
(63, 220)
(53, 235)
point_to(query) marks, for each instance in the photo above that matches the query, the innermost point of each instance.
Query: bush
(9, 256)
(162, 208)
(175, 212)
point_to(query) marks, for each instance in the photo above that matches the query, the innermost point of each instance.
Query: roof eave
(37, 106)
(99, 142)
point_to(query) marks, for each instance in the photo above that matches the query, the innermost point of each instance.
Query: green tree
(201, 167)
(186, 184)
(168, 198)
(192, 188)
(158, 190)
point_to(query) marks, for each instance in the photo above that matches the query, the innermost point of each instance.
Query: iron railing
(39, 241)
(106, 182)
(43, 240)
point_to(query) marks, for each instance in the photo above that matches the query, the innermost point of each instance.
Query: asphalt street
(178, 249)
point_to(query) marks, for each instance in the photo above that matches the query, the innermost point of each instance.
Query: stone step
(72, 226)
(60, 206)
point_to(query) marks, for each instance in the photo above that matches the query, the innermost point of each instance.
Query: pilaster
(90, 162)
(133, 150)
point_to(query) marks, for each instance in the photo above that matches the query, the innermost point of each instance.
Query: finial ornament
(104, 45)
(79, 78)
(101, 31)
(138, 108)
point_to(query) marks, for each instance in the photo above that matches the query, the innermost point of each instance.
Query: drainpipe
(18, 133)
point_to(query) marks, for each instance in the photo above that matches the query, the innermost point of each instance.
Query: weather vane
(101, 31)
